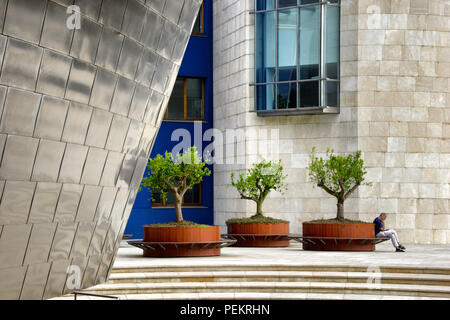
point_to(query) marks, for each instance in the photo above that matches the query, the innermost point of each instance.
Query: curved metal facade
(79, 109)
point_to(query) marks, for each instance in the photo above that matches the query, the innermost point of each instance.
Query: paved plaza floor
(429, 256)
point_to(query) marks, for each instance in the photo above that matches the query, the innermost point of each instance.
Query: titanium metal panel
(117, 133)
(82, 239)
(157, 5)
(103, 90)
(20, 112)
(55, 34)
(90, 8)
(21, 64)
(40, 243)
(11, 282)
(24, 19)
(44, 202)
(73, 163)
(56, 279)
(129, 58)
(85, 41)
(35, 280)
(99, 128)
(77, 123)
(93, 169)
(109, 49)
(80, 83)
(51, 118)
(112, 169)
(112, 13)
(68, 202)
(18, 158)
(69, 155)
(48, 161)
(88, 203)
(13, 244)
(53, 74)
(62, 243)
(122, 98)
(134, 19)
(139, 103)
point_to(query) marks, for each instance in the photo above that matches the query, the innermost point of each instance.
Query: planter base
(337, 244)
(181, 249)
(259, 240)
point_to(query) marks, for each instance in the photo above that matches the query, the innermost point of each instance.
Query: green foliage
(338, 175)
(256, 219)
(176, 176)
(257, 183)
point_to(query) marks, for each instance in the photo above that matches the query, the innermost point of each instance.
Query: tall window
(297, 54)
(192, 197)
(199, 26)
(187, 101)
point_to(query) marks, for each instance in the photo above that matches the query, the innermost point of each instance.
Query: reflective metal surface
(79, 110)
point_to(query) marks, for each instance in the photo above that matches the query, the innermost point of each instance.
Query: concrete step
(144, 268)
(254, 296)
(279, 276)
(272, 287)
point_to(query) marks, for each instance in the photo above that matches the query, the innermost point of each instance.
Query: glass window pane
(332, 42)
(309, 94)
(176, 102)
(198, 26)
(192, 196)
(286, 3)
(303, 2)
(265, 4)
(156, 197)
(266, 47)
(194, 98)
(287, 45)
(332, 94)
(170, 199)
(309, 44)
(287, 95)
(265, 97)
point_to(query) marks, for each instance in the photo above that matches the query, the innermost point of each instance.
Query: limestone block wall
(404, 113)
(394, 107)
(79, 111)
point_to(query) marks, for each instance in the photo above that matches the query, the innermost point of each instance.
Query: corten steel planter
(339, 237)
(187, 241)
(259, 234)
(80, 108)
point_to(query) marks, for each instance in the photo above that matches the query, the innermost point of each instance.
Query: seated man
(380, 231)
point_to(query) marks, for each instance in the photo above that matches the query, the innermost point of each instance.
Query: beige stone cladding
(394, 106)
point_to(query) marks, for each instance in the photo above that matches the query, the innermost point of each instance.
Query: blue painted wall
(197, 62)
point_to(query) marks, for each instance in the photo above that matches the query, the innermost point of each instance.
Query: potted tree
(255, 185)
(339, 176)
(176, 176)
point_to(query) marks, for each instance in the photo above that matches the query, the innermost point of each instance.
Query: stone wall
(394, 87)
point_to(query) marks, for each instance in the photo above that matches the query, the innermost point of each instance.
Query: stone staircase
(226, 282)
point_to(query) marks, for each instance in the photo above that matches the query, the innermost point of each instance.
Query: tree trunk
(259, 208)
(340, 210)
(178, 212)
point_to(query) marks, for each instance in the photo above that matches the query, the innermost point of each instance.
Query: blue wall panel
(197, 62)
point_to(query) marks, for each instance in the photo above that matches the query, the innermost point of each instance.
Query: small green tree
(264, 177)
(176, 176)
(338, 175)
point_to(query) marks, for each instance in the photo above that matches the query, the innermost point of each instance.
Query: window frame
(162, 204)
(202, 10)
(321, 80)
(185, 118)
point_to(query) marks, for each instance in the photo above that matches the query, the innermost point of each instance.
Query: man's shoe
(402, 247)
(399, 250)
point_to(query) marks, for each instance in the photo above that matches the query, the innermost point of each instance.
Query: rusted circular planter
(338, 237)
(187, 241)
(259, 234)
